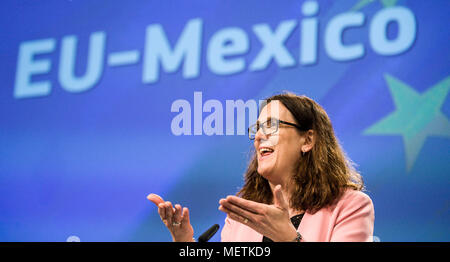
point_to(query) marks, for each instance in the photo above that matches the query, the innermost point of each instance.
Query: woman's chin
(264, 172)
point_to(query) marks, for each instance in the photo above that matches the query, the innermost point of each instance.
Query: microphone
(208, 233)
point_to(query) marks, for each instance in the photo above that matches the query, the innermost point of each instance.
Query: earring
(303, 153)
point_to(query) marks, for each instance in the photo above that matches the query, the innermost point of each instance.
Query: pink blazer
(349, 219)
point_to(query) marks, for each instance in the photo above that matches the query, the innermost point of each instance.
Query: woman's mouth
(265, 152)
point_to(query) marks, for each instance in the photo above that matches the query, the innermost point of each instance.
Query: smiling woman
(299, 185)
(308, 157)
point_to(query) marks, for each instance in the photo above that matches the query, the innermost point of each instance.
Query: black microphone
(208, 233)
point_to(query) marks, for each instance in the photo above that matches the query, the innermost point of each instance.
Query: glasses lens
(252, 130)
(270, 126)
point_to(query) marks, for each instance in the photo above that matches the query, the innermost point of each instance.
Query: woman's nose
(260, 135)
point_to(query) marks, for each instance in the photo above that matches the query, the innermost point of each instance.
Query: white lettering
(95, 63)
(157, 49)
(27, 67)
(216, 117)
(225, 53)
(198, 113)
(406, 31)
(183, 117)
(309, 35)
(273, 45)
(333, 37)
(240, 107)
(213, 123)
(227, 42)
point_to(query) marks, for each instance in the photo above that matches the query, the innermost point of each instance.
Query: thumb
(155, 199)
(278, 198)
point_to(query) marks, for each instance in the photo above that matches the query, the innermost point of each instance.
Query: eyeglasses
(268, 127)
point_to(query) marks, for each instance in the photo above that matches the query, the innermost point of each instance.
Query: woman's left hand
(271, 221)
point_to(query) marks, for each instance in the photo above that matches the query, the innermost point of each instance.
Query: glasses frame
(261, 125)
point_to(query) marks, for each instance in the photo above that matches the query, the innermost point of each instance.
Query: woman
(299, 186)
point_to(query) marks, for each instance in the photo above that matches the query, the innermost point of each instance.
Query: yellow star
(416, 117)
(362, 3)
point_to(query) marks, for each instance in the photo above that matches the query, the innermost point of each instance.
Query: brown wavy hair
(323, 173)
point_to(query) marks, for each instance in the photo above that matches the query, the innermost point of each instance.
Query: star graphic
(362, 3)
(416, 117)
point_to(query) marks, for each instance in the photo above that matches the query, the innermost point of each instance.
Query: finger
(177, 214)
(235, 216)
(185, 217)
(278, 199)
(169, 212)
(162, 211)
(155, 199)
(249, 205)
(238, 210)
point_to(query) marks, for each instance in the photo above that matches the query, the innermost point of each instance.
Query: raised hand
(271, 221)
(175, 218)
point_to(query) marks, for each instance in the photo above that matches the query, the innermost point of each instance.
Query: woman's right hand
(176, 219)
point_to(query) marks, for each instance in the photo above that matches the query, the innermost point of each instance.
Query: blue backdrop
(88, 88)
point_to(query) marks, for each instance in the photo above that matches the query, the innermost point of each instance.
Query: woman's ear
(310, 140)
